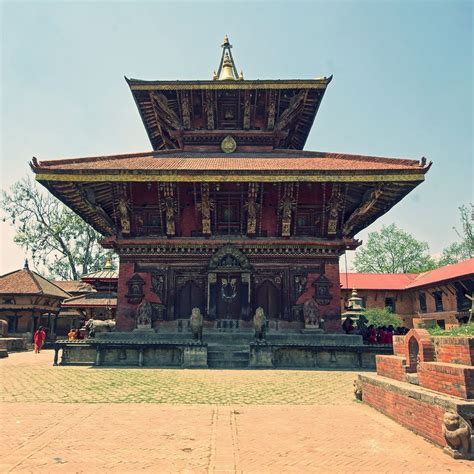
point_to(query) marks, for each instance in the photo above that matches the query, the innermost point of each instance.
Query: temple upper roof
(190, 114)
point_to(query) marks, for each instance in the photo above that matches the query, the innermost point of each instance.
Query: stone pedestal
(261, 356)
(195, 357)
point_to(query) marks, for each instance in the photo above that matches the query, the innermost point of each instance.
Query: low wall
(12, 344)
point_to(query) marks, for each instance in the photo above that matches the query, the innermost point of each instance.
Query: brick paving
(214, 421)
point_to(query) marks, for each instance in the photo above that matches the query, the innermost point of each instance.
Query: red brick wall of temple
(126, 311)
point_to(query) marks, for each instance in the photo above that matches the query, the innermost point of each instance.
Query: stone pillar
(261, 356)
(211, 296)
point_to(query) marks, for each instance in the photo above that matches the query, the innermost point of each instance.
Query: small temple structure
(227, 213)
(28, 301)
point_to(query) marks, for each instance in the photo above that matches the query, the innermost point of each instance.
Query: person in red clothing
(371, 335)
(38, 338)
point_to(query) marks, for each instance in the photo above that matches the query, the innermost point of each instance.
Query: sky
(402, 86)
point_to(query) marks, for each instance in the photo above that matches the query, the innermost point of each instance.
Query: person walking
(38, 338)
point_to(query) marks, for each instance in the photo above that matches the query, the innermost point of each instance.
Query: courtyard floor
(78, 419)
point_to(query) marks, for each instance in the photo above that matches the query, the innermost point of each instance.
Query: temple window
(462, 302)
(390, 304)
(438, 299)
(422, 300)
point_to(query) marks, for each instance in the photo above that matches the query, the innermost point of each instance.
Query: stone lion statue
(358, 390)
(94, 326)
(3, 328)
(457, 434)
(259, 323)
(196, 321)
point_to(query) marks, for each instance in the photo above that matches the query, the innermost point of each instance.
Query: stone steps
(227, 358)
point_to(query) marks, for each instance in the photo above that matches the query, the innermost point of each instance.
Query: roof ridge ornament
(227, 70)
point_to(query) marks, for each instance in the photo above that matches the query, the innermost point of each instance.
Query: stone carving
(259, 323)
(164, 114)
(335, 205)
(3, 328)
(368, 201)
(287, 205)
(170, 208)
(322, 290)
(186, 110)
(294, 108)
(251, 206)
(124, 214)
(229, 256)
(358, 390)
(228, 144)
(311, 314)
(93, 326)
(300, 285)
(135, 289)
(457, 434)
(196, 321)
(209, 108)
(144, 315)
(271, 111)
(157, 284)
(205, 207)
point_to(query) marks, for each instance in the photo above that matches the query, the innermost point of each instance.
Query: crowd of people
(372, 334)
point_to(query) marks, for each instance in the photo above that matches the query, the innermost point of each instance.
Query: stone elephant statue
(93, 326)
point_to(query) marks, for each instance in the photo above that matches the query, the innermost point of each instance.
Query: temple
(228, 213)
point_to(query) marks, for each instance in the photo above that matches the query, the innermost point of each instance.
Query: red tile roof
(90, 301)
(27, 282)
(279, 160)
(406, 281)
(376, 281)
(74, 286)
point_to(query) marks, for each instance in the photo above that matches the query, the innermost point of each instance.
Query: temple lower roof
(312, 166)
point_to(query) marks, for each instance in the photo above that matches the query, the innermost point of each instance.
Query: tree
(58, 239)
(458, 251)
(393, 250)
(383, 317)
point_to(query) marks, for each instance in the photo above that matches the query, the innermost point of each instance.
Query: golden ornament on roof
(228, 145)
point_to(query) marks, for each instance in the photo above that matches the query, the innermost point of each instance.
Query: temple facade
(228, 213)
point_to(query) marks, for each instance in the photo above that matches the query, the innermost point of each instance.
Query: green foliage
(458, 251)
(393, 250)
(58, 239)
(464, 330)
(382, 317)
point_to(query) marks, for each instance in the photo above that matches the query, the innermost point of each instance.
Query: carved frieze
(186, 110)
(123, 208)
(170, 208)
(322, 291)
(287, 204)
(205, 207)
(135, 289)
(251, 207)
(369, 200)
(209, 108)
(334, 207)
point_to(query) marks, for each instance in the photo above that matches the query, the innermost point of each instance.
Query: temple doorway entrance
(268, 297)
(229, 285)
(229, 305)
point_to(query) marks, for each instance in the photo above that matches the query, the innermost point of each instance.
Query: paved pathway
(331, 433)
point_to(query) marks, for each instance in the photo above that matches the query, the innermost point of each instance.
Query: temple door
(268, 297)
(189, 297)
(229, 296)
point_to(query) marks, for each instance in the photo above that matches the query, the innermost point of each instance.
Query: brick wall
(391, 366)
(451, 379)
(454, 350)
(422, 418)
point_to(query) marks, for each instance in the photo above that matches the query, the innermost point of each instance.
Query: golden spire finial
(108, 263)
(226, 41)
(227, 71)
(241, 76)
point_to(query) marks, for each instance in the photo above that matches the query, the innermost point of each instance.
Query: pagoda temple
(228, 213)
